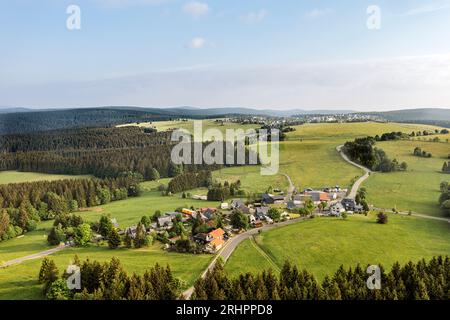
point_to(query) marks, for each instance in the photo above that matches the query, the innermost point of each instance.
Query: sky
(285, 54)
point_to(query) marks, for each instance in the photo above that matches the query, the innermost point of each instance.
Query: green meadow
(417, 189)
(29, 243)
(19, 177)
(20, 281)
(309, 157)
(189, 125)
(321, 245)
(127, 213)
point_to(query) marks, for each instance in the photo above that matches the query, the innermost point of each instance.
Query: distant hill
(24, 120)
(13, 110)
(33, 121)
(418, 114)
(252, 111)
(431, 116)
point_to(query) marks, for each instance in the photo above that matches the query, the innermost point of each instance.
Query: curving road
(233, 242)
(361, 179)
(367, 174)
(291, 188)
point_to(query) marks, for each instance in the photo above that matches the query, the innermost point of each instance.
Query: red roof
(218, 233)
(324, 196)
(217, 243)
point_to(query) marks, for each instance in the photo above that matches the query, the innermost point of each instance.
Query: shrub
(382, 218)
(58, 290)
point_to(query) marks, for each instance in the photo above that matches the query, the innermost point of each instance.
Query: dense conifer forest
(424, 280)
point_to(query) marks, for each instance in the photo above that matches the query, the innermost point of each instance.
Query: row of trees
(23, 205)
(444, 199)
(219, 192)
(189, 181)
(418, 152)
(109, 281)
(392, 136)
(424, 280)
(413, 281)
(362, 150)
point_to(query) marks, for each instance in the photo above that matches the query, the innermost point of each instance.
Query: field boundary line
(264, 254)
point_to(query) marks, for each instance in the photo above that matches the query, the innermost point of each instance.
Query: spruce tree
(140, 238)
(128, 240)
(114, 239)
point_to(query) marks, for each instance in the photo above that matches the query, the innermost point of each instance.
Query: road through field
(33, 256)
(232, 244)
(363, 178)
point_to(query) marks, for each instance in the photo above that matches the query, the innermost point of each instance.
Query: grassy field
(321, 245)
(129, 212)
(19, 281)
(19, 177)
(29, 243)
(309, 156)
(418, 188)
(189, 125)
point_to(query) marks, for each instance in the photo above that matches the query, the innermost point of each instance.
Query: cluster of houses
(333, 202)
(211, 241)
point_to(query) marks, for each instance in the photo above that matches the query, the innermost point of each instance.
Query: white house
(336, 209)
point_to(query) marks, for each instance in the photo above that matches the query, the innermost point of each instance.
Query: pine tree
(140, 238)
(48, 273)
(105, 226)
(128, 241)
(114, 239)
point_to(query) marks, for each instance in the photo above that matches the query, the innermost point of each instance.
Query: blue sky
(255, 53)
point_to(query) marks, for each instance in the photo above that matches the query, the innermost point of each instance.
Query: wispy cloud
(254, 17)
(127, 3)
(317, 13)
(428, 8)
(371, 84)
(196, 9)
(197, 43)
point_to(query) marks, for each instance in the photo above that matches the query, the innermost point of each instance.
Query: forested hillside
(82, 138)
(35, 121)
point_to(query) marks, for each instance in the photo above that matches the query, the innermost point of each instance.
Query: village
(208, 229)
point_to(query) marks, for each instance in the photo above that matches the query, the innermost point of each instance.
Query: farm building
(318, 196)
(268, 198)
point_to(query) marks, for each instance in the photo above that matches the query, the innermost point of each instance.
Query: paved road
(358, 182)
(33, 256)
(232, 244)
(367, 174)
